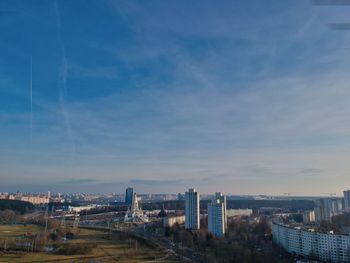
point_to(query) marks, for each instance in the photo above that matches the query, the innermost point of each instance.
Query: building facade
(170, 221)
(35, 200)
(326, 208)
(308, 217)
(217, 216)
(135, 213)
(327, 247)
(192, 209)
(129, 194)
(347, 201)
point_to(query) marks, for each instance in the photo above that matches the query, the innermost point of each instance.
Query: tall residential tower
(129, 195)
(326, 208)
(192, 209)
(217, 216)
(347, 200)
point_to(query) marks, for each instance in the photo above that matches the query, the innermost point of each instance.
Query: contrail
(331, 2)
(334, 26)
(339, 26)
(63, 77)
(31, 98)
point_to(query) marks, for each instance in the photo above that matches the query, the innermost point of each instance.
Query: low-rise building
(78, 209)
(36, 200)
(7, 196)
(170, 221)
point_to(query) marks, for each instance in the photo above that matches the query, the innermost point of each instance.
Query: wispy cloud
(312, 172)
(157, 182)
(81, 181)
(240, 101)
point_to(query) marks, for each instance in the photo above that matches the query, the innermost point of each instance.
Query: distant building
(238, 212)
(170, 221)
(180, 197)
(7, 196)
(347, 201)
(217, 216)
(18, 195)
(162, 212)
(36, 200)
(129, 194)
(135, 213)
(192, 209)
(308, 217)
(326, 208)
(78, 209)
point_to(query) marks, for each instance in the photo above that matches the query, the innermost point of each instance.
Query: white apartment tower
(192, 209)
(347, 200)
(217, 216)
(326, 208)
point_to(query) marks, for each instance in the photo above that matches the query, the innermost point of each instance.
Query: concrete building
(308, 217)
(327, 247)
(347, 200)
(326, 208)
(170, 221)
(78, 209)
(35, 200)
(129, 194)
(7, 196)
(217, 216)
(192, 209)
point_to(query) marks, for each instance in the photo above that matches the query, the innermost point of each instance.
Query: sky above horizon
(243, 97)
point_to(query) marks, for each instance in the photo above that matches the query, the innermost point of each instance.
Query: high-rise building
(217, 216)
(192, 209)
(180, 196)
(347, 201)
(326, 208)
(129, 195)
(308, 217)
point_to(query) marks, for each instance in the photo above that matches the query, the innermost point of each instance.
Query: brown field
(106, 247)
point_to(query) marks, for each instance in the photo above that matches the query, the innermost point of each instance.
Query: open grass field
(12, 231)
(105, 247)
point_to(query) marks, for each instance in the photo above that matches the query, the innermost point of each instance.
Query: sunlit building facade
(327, 247)
(192, 210)
(347, 200)
(217, 216)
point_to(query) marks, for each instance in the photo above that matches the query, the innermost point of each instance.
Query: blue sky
(244, 97)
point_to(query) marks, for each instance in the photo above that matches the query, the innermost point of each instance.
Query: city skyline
(241, 98)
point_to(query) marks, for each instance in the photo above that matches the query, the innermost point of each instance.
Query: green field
(13, 231)
(105, 248)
